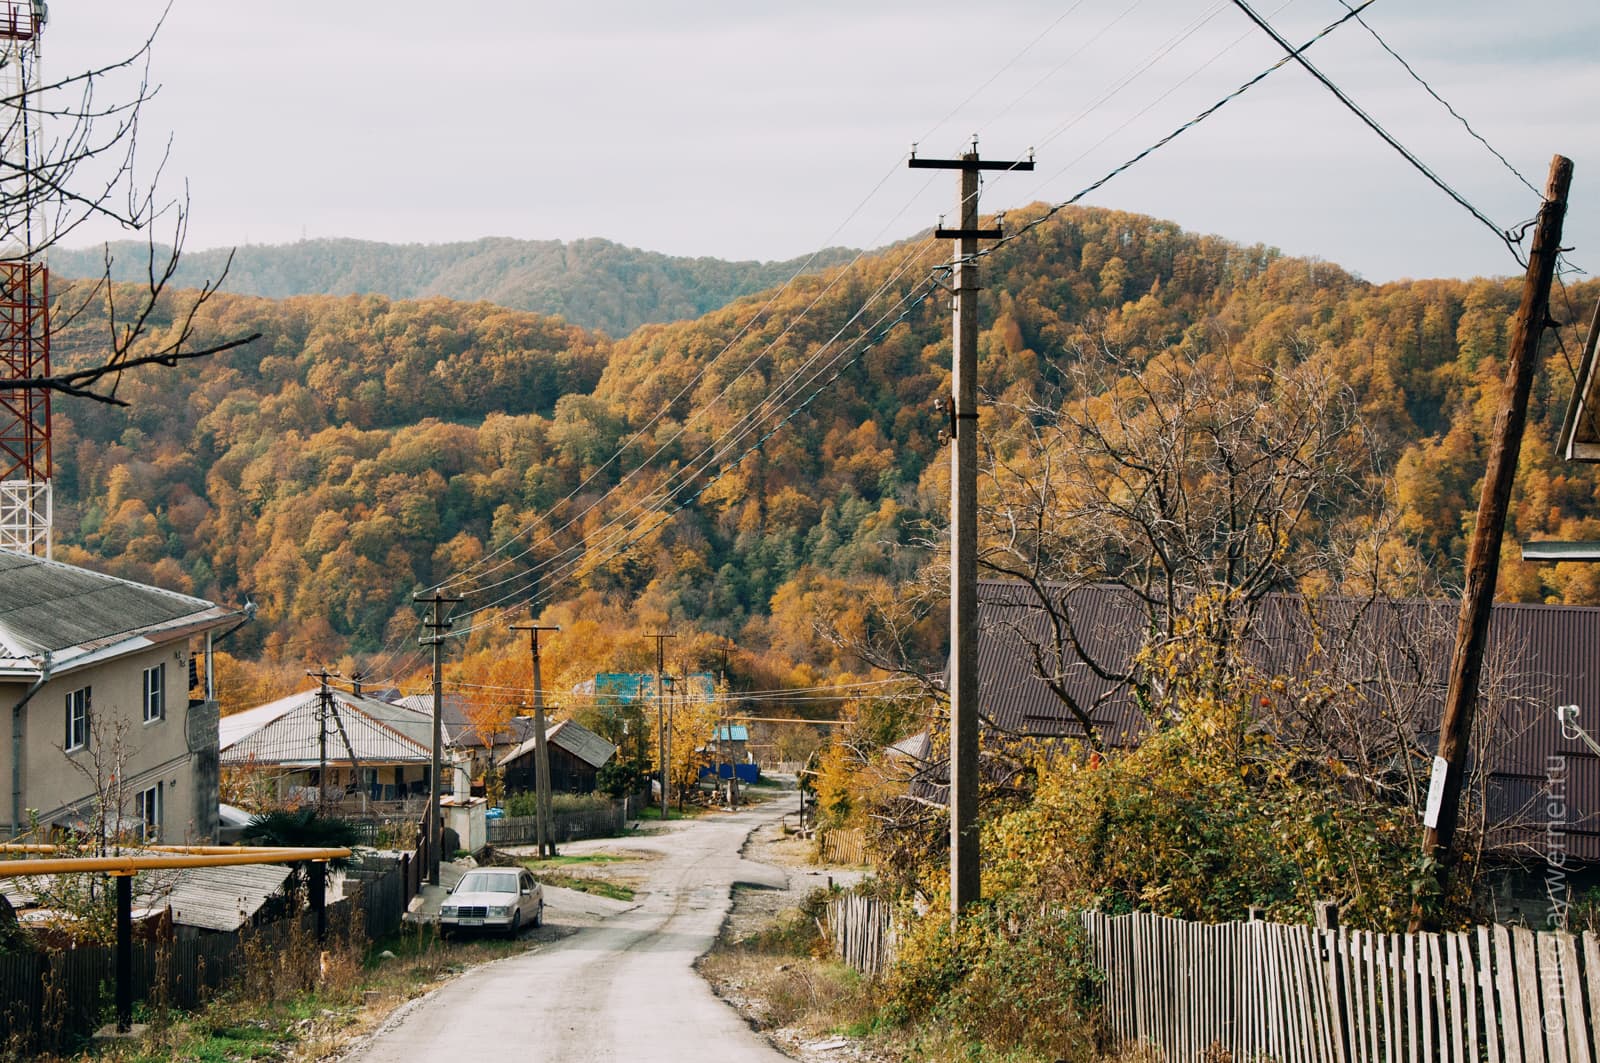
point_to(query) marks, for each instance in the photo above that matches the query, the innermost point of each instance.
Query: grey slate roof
(79, 616)
(211, 898)
(285, 732)
(574, 738)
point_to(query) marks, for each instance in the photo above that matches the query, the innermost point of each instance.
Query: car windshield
(488, 882)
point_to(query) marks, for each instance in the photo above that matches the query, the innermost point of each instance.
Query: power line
(1446, 104)
(1372, 123)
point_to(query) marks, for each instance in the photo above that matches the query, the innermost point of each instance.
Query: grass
(599, 887)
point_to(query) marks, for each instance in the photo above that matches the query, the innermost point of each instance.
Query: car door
(525, 896)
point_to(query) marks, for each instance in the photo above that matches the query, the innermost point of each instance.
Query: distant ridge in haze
(593, 283)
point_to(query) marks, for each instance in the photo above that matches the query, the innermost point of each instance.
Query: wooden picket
(862, 931)
(1296, 994)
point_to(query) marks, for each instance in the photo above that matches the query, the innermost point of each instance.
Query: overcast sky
(748, 129)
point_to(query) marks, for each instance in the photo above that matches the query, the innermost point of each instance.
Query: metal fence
(1303, 995)
(49, 1000)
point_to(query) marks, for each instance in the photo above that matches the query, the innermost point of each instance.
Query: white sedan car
(493, 898)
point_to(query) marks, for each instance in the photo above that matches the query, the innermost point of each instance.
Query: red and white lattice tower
(25, 462)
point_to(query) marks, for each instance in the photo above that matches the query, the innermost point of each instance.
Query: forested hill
(593, 283)
(365, 448)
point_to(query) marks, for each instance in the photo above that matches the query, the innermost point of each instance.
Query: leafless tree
(1198, 482)
(72, 158)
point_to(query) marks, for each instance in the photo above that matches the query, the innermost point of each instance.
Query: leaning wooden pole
(1483, 556)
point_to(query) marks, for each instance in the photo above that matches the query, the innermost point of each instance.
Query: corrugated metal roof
(574, 738)
(286, 732)
(211, 898)
(736, 732)
(70, 612)
(1539, 656)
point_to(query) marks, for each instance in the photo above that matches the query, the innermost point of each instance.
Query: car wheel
(538, 915)
(516, 924)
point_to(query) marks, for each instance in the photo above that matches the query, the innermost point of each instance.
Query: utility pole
(964, 846)
(438, 625)
(661, 720)
(323, 697)
(541, 752)
(1483, 556)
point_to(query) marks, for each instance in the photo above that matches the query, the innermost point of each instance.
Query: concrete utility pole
(437, 624)
(1483, 556)
(541, 751)
(964, 855)
(323, 698)
(661, 720)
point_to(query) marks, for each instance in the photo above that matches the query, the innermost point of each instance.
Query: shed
(576, 756)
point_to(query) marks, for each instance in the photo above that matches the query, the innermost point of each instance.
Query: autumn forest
(767, 478)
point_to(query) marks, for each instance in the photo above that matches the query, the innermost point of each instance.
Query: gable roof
(1543, 655)
(461, 731)
(571, 736)
(78, 617)
(285, 732)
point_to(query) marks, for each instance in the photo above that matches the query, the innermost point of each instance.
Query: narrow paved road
(624, 990)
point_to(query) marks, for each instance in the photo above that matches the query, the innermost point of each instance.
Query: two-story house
(113, 721)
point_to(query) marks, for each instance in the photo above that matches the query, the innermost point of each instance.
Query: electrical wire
(911, 303)
(579, 554)
(1372, 123)
(1052, 211)
(1445, 104)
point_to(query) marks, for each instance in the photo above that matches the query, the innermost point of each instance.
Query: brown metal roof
(1539, 657)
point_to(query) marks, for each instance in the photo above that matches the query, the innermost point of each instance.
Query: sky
(749, 130)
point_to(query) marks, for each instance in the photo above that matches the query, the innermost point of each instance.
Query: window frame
(150, 803)
(79, 704)
(156, 693)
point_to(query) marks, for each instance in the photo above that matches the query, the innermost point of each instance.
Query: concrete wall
(61, 784)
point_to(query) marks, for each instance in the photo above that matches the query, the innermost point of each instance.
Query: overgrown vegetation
(296, 1001)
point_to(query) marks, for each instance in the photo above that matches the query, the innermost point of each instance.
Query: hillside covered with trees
(366, 448)
(594, 283)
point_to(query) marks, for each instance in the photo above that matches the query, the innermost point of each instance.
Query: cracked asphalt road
(622, 989)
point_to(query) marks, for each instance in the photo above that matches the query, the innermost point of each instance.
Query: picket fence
(862, 932)
(1298, 994)
(844, 848)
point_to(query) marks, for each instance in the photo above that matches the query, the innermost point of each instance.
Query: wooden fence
(1302, 995)
(862, 932)
(564, 826)
(847, 848)
(52, 999)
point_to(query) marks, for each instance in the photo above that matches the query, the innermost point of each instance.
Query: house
(113, 712)
(730, 743)
(576, 756)
(464, 733)
(1539, 656)
(374, 751)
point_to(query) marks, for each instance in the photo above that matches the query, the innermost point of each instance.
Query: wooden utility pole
(661, 721)
(1483, 556)
(438, 625)
(964, 854)
(323, 698)
(541, 751)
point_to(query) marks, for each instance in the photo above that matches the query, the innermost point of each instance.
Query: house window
(155, 692)
(148, 804)
(77, 719)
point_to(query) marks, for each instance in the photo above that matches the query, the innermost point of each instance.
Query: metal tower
(25, 459)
